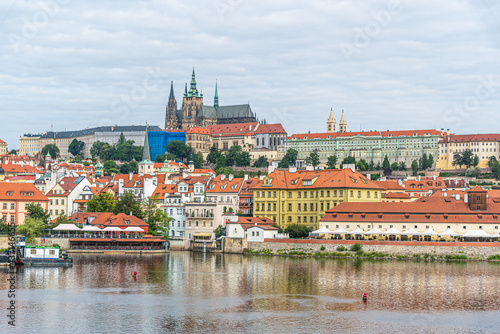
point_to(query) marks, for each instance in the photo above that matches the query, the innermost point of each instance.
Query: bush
(494, 257)
(296, 231)
(55, 245)
(341, 248)
(322, 248)
(359, 252)
(356, 247)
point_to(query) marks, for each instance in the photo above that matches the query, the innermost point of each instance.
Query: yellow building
(29, 145)
(482, 145)
(3, 147)
(289, 197)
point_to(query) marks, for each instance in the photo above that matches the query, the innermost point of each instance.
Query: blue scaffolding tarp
(158, 141)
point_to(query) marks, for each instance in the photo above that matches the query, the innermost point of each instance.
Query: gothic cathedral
(195, 113)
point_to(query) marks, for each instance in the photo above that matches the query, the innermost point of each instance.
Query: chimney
(245, 178)
(292, 169)
(270, 169)
(466, 198)
(222, 177)
(231, 177)
(434, 177)
(130, 175)
(419, 177)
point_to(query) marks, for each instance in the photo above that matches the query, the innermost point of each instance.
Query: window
(274, 206)
(298, 219)
(289, 194)
(321, 207)
(322, 193)
(311, 219)
(274, 194)
(299, 205)
(5, 206)
(352, 193)
(289, 207)
(305, 194)
(57, 202)
(52, 252)
(33, 251)
(359, 194)
(12, 218)
(62, 201)
(12, 206)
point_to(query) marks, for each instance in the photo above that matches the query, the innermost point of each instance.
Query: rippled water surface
(184, 292)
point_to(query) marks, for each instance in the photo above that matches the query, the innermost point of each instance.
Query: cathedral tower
(191, 103)
(331, 124)
(171, 120)
(342, 123)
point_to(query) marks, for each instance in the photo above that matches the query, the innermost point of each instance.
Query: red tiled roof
(401, 133)
(390, 185)
(233, 129)
(470, 138)
(397, 195)
(271, 128)
(163, 189)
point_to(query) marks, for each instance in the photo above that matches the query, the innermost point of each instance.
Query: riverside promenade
(436, 249)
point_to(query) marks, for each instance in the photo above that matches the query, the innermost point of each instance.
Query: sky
(390, 65)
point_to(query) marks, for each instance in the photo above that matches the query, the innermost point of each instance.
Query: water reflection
(199, 293)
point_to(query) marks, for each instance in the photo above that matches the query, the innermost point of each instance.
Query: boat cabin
(41, 252)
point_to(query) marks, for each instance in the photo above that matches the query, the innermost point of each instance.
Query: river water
(184, 292)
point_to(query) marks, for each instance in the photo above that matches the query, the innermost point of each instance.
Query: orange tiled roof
(163, 189)
(217, 185)
(328, 178)
(390, 185)
(199, 130)
(16, 191)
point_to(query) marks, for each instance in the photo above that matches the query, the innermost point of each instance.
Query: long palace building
(405, 145)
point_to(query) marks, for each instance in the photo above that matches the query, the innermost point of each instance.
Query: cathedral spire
(342, 123)
(193, 91)
(216, 97)
(171, 90)
(146, 156)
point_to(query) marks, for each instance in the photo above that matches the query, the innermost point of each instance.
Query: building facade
(484, 146)
(194, 113)
(398, 146)
(3, 147)
(199, 139)
(288, 197)
(16, 197)
(106, 134)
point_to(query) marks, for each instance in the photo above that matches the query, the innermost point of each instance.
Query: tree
(31, 229)
(378, 167)
(495, 169)
(127, 204)
(424, 162)
(331, 162)
(463, 159)
(430, 161)
(394, 166)
(179, 149)
(76, 147)
(110, 167)
(313, 158)
(52, 150)
(243, 159)
(13, 152)
(198, 160)
(350, 160)
(491, 160)
(371, 165)
(233, 155)
(157, 220)
(402, 166)
(386, 164)
(214, 155)
(362, 165)
(261, 162)
(289, 158)
(414, 167)
(475, 161)
(297, 231)
(35, 211)
(104, 202)
(160, 158)
(221, 162)
(220, 231)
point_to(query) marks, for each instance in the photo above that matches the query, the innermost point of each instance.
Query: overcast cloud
(389, 64)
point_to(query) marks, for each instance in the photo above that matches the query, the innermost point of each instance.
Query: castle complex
(195, 114)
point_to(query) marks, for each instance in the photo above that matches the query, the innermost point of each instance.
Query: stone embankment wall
(235, 245)
(473, 250)
(177, 245)
(62, 242)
